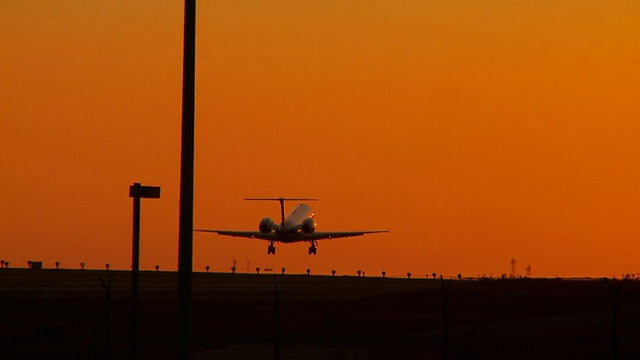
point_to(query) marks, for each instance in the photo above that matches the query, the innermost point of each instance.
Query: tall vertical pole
(135, 268)
(185, 242)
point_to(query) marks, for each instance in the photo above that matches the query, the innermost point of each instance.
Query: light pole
(137, 191)
(185, 240)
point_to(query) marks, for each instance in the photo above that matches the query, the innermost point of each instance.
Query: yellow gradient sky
(474, 131)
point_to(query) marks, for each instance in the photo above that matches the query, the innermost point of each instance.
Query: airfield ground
(62, 314)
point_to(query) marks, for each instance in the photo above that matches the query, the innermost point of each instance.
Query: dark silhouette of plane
(298, 226)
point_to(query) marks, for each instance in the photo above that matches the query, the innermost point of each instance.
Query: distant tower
(513, 268)
(528, 270)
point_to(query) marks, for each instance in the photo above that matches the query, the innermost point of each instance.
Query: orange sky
(474, 131)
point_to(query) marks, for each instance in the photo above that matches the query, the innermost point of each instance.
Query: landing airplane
(298, 226)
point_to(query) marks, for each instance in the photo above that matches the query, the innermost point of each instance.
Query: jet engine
(309, 226)
(266, 225)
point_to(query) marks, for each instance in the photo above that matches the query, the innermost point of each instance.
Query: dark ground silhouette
(64, 314)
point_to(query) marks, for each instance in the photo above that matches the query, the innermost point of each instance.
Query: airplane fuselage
(291, 229)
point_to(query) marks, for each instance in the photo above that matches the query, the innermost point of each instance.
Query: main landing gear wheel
(313, 249)
(271, 250)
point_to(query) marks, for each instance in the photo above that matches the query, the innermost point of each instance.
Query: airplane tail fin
(281, 200)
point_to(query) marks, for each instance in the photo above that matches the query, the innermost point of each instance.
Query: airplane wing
(243, 234)
(321, 235)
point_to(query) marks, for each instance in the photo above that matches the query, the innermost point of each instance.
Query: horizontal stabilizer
(281, 199)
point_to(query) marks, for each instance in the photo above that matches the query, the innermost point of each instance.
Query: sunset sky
(475, 131)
